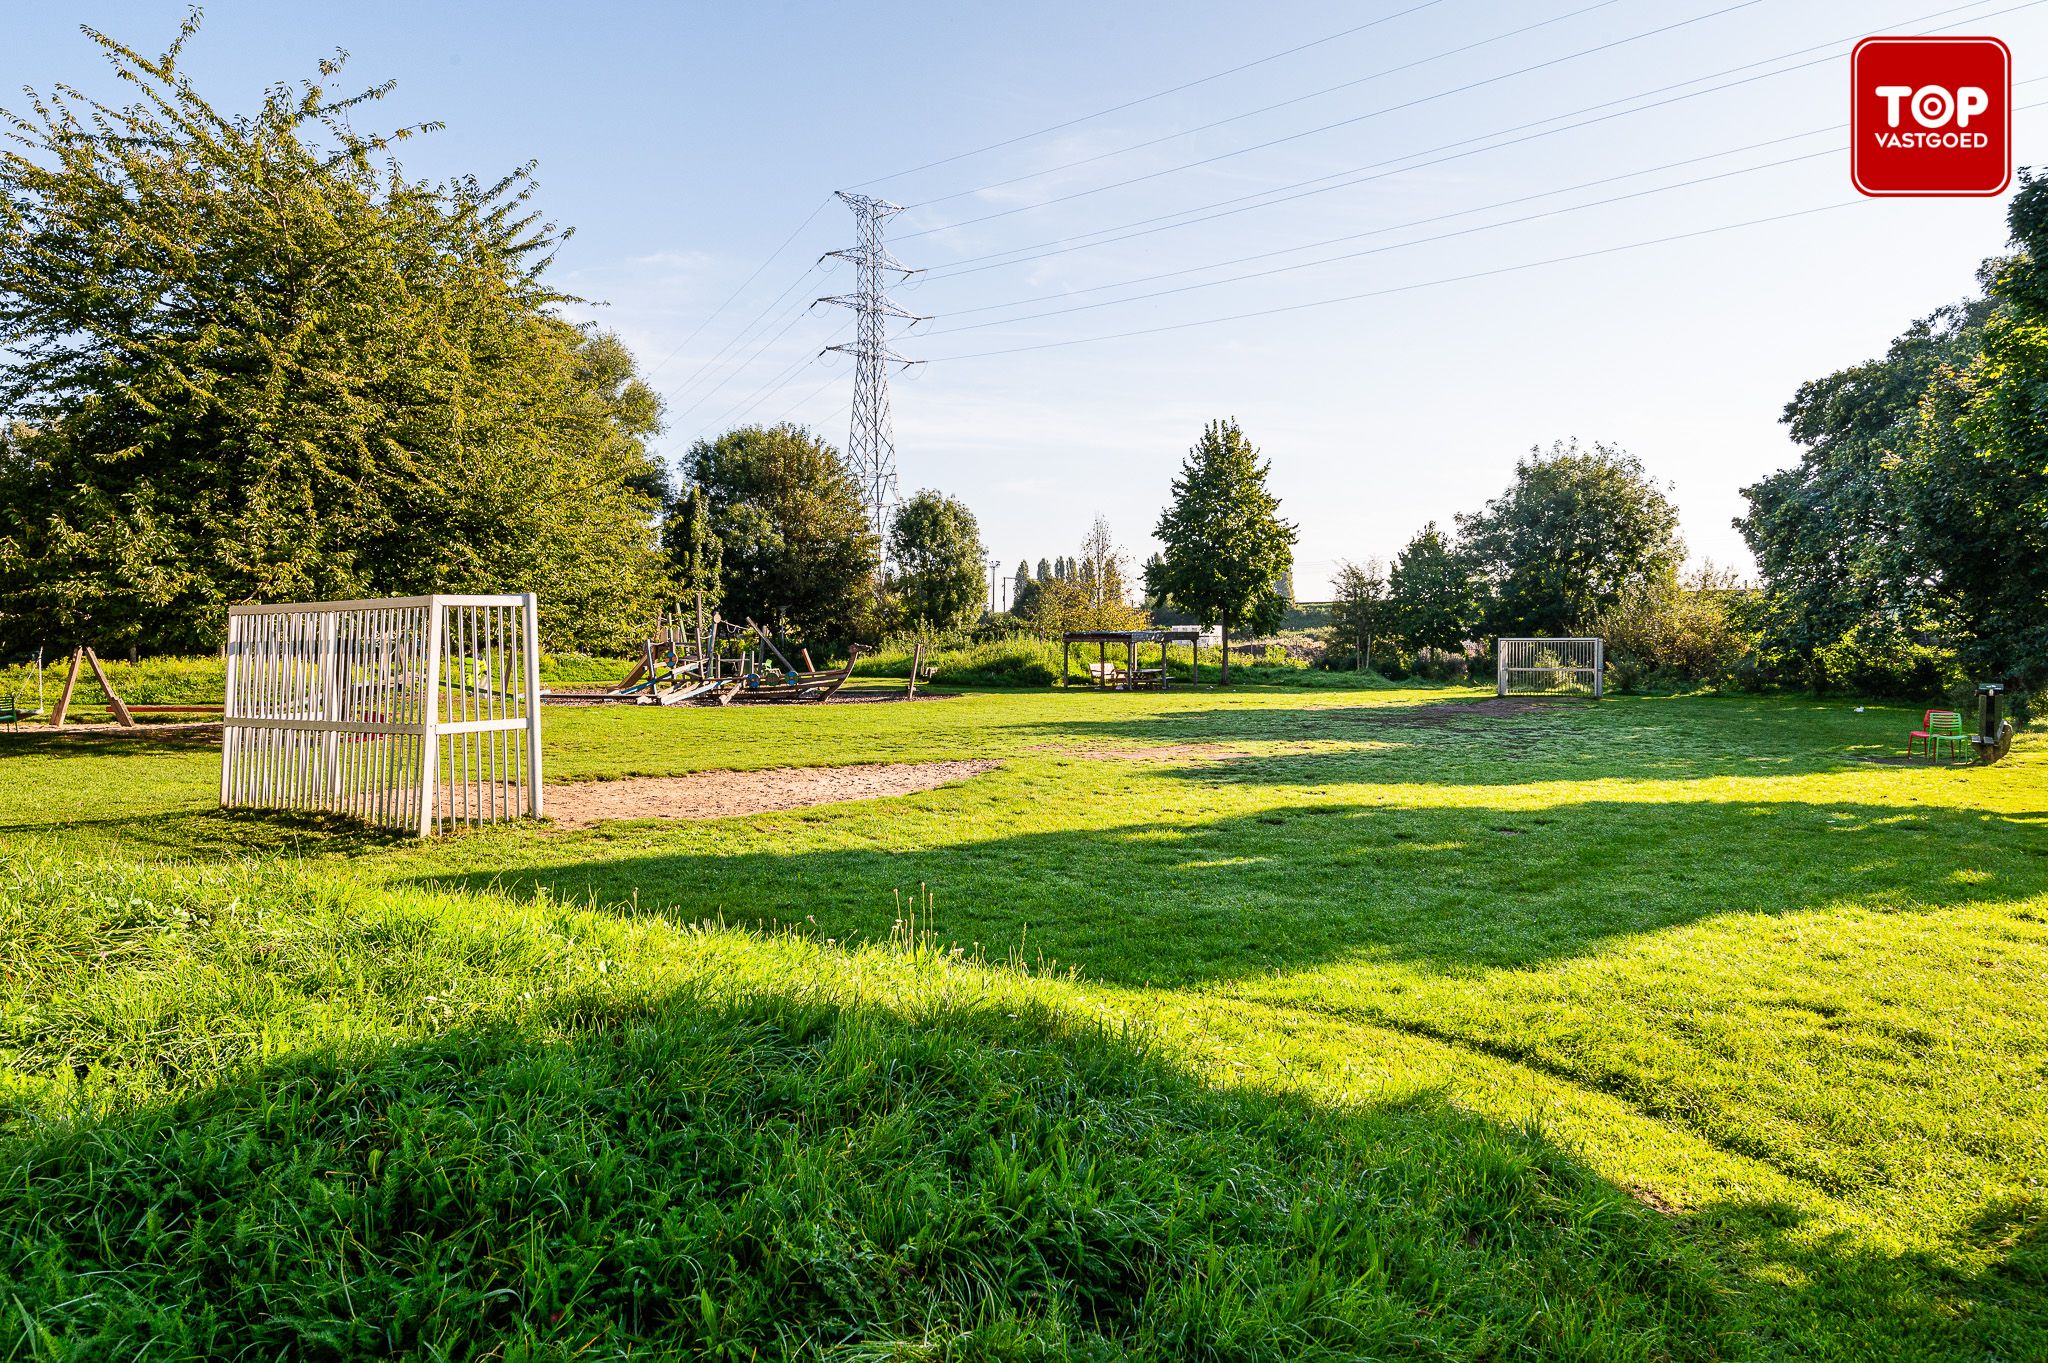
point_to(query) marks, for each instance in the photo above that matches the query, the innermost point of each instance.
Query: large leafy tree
(799, 553)
(1976, 483)
(936, 547)
(1435, 596)
(1226, 547)
(246, 359)
(1574, 531)
(1831, 534)
(1915, 523)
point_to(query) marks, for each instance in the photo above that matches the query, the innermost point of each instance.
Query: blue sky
(686, 143)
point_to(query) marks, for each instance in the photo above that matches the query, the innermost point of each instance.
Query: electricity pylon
(871, 443)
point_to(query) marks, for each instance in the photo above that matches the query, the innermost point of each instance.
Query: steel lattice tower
(871, 442)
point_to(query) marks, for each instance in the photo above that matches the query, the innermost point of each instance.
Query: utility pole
(871, 441)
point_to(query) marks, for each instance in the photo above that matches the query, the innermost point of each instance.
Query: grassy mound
(455, 1126)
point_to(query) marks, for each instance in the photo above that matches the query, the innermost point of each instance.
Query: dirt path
(722, 794)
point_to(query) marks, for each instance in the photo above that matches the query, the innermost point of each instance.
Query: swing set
(14, 711)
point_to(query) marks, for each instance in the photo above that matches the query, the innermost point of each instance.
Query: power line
(1332, 181)
(1147, 99)
(782, 380)
(1405, 288)
(1395, 246)
(1422, 222)
(1429, 283)
(1269, 108)
(744, 334)
(1340, 123)
(715, 312)
(1393, 227)
(733, 371)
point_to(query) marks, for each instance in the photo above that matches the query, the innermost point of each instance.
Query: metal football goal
(413, 713)
(1550, 667)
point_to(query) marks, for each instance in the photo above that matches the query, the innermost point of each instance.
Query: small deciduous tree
(1225, 544)
(696, 559)
(1360, 612)
(1688, 630)
(1436, 602)
(936, 546)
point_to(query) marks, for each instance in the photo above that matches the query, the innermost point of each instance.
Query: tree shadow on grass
(1487, 741)
(1172, 903)
(764, 1175)
(771, 1172)
(215, 834)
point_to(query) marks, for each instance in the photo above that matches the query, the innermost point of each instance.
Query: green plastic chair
(1950, 731)
(1939, 727)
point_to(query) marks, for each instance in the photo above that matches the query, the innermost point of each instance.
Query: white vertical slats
(529, 635)
(410, 714)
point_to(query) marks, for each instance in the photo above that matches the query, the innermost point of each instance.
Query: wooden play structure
(1551, 667)
(414, 714)
(1109, 674)
(119, 707)
(699, 657)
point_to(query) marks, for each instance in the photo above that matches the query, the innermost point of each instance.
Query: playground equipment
(12, 711)
(80, 655)
(1551, 667)
(411, 713)
(704, 658)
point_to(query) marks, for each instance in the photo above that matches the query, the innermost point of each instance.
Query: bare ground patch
(167, 731)
(723, 794)
(1448, 714)
(1152, 752)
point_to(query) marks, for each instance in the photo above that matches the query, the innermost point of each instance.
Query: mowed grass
(1250, 1024)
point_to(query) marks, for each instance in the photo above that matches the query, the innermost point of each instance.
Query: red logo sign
(1930, 116)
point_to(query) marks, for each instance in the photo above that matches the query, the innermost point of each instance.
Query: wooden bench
(1106, 674)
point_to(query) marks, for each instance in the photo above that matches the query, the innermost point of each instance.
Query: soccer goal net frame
(412, 713)
(1550, 667)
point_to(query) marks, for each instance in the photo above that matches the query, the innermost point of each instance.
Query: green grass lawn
(1262, 1024)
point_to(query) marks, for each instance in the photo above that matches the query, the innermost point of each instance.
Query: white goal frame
(412, 713)
(1560, 664)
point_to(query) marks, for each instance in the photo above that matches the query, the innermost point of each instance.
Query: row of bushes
(202, 680)
(1709, 634)
(1021, 660)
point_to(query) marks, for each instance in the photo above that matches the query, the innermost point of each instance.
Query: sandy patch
(179, 730)
(723, 794)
